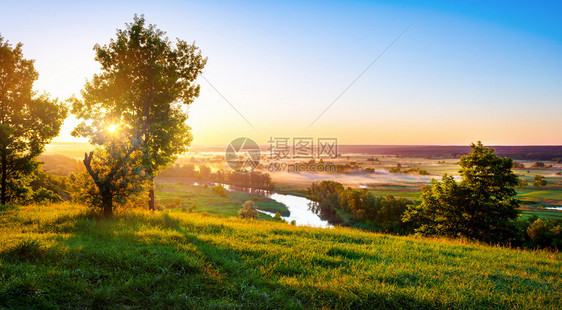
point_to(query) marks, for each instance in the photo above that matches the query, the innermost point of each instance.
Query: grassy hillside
(60, 256)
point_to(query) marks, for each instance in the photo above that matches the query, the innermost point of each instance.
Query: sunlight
(112, 128)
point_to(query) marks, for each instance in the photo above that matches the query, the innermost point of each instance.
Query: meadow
(62, 255)
(185, 195)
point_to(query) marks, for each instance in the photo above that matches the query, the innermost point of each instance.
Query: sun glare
(112, 128)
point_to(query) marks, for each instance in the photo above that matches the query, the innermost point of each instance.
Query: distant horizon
(350, 144)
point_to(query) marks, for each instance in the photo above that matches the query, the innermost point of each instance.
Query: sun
(112, 128)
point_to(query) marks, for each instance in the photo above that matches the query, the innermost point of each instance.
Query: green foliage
(278, 217)
(114, 176)
(248, 211)
(43, 195)
(219, 190)
(27, 122)
(144, 88)
(538, 164)
(539, 181)
(546, 233)
(253, 179)
(382, 213)
(481, 206)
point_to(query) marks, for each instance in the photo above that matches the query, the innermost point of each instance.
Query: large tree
(144, 88)
(482, 205)
(28, 121)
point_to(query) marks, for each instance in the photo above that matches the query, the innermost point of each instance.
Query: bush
(44, 195)
(219, 190)
(539, 181)
(546, 233)
(538, 164)
(278, 218)
(248, 211)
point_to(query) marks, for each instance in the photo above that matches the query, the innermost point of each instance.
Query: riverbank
(187, 195)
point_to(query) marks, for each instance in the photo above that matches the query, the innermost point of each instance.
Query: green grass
(173, 194)
(408, 192)
(59, 256)
(291, 189)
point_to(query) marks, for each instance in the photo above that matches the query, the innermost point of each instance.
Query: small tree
(27, 122)
(538, 164)
(481, 206)
(219, 190)
(539, 181)
(248, 211)
(113, 175)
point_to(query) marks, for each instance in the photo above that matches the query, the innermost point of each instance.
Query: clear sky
(464, 70)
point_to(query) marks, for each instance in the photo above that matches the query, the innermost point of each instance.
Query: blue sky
(464, 70)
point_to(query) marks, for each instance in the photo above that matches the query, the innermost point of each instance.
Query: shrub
(539, 181)
(278, 217)
(538, 164)
(219, 190)
(44, 195)
(248, 211)
(546, 233)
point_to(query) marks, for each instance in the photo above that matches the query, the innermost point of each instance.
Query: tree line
(252, 179)
(481, 206)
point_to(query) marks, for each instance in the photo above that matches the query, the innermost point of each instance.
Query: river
(299, 207)
(300, 210)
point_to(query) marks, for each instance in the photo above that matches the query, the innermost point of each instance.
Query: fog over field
(355, 180)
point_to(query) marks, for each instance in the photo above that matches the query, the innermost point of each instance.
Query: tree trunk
(107, 203)
(151, 193)
(4, 181)
(104, 186)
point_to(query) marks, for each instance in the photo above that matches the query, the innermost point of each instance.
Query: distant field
(178, 195)
(382, 183)
(70, 149)
(59, 256)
